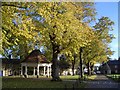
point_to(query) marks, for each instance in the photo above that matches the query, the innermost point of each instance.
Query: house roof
(114, 62)
(36, 57)
(10, 61)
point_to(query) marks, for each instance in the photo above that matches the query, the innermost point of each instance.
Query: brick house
(110, 67)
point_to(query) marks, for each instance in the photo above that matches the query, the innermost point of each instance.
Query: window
(115, 66)
(116, 71)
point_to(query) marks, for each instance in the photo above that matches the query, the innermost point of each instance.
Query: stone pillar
(34, 71)
(44, 70)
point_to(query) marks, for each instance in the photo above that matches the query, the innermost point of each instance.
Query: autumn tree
(92, 53)
(99, 49)
(18, 32)
(103, 28)
(62, 30)
(87, 16)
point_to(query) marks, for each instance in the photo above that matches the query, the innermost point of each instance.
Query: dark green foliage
(63, 64)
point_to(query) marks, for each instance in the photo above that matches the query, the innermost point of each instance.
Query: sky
(110, 9)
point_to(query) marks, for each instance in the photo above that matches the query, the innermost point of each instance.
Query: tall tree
(62, 30)
(99, 49)
(103, 28)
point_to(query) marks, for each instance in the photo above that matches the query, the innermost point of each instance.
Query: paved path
(102, 81)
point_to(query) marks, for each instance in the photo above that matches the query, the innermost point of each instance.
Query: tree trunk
(81, 70)
(91, 67)
(89, 70)
(73, 66)
(55, 66)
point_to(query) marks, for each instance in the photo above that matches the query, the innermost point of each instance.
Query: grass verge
(41, 82)
(115, 77)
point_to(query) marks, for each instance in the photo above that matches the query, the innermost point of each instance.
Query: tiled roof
(36, 57)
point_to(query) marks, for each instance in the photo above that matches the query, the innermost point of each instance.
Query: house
(110, 67)
(38, 64)
(10, 67)
(31, 64)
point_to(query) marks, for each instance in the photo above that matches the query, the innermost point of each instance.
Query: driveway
(102, 81)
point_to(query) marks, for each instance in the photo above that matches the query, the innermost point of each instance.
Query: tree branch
(12, 5)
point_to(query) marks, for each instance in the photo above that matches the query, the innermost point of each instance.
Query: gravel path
(102, 81)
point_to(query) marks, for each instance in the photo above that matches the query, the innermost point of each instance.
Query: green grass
(41, 82)
(69, 77)
(115, 77)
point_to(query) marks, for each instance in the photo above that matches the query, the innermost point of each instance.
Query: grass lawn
(69, 77)
(41, 82)
(115, 77)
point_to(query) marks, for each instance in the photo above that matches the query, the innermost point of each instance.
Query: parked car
(98, 72)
